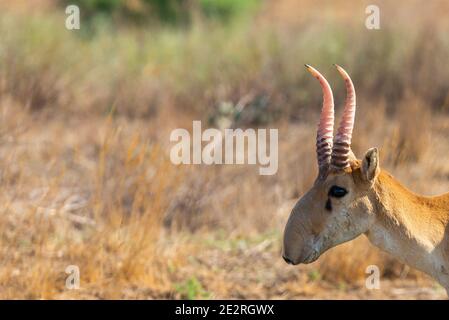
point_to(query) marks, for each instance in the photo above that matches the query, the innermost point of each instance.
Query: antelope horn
(342, 144)
(325, 130)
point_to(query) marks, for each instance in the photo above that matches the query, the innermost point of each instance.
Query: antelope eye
(337, 192)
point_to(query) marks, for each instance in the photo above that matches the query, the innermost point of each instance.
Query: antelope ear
(370, 164)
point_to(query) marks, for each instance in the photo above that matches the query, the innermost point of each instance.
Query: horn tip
(342, 71)
(312, 70)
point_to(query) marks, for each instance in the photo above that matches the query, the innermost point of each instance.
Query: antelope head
(339, 206)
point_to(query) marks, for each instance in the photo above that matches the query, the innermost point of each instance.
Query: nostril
(287, 260)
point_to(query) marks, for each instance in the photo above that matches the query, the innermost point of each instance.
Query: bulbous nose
(287, 259)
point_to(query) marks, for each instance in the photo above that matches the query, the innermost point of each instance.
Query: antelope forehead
(343, 180)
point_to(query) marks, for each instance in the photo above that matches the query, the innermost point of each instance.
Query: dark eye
(337, 192)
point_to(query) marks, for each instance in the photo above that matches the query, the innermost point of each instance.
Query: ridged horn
(342, 143)
(325, 130)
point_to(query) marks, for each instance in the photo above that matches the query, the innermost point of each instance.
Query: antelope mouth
(311, 257)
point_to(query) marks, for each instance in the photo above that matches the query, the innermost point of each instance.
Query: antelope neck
(411, 227)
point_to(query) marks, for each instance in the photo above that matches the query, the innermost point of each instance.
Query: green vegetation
(172, 12)
(252, 70)
(192, 289)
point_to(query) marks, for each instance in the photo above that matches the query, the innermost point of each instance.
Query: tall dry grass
(106, 217)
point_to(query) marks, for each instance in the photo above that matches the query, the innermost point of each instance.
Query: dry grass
(85, 174)
(100, 195)
(109, 228)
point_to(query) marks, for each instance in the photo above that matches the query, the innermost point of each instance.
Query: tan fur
(413, 228)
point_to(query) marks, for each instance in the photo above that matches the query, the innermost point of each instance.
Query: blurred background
(85, 120)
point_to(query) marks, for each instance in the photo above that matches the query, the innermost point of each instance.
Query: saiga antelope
(351, 197)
